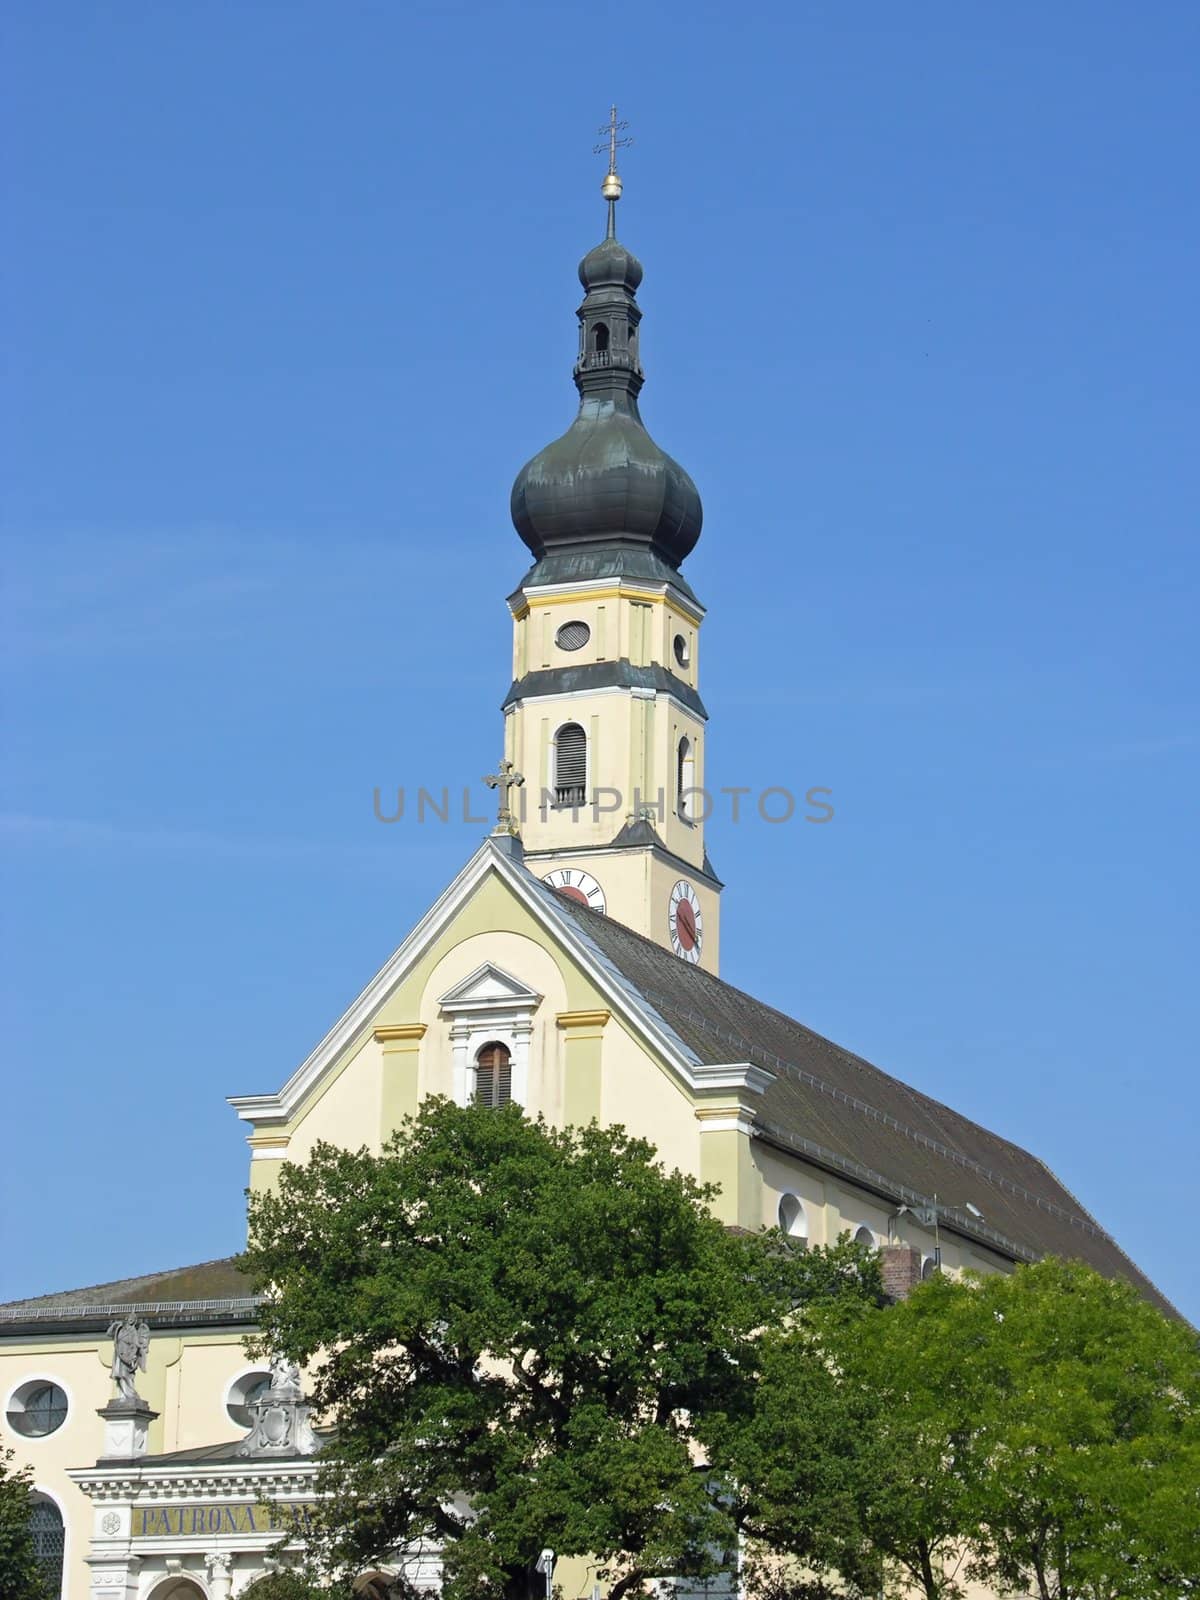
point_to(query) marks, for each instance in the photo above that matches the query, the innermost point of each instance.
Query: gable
(494, 946)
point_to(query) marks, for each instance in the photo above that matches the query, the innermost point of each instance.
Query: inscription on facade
(181, 1522)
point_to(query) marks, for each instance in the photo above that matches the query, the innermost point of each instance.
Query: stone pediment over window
(489, 988)
(490, 1007)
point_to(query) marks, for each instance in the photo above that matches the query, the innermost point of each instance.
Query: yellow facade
(646, 755)
(588, 1052)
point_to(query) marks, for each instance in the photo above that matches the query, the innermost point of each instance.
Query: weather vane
(611, 143)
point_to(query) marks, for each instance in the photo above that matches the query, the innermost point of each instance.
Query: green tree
(1087, 1441)
(21, 1576)
(844, 1463)
(1037, 1432)
(516, 1330)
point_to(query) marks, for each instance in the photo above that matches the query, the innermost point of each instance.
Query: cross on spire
(611, 143)
(504, 780)
(611, 187)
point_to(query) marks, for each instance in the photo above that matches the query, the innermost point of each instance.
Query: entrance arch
(177, 1588)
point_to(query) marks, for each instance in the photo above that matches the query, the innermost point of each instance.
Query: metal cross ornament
(611, 143)
(505, 779)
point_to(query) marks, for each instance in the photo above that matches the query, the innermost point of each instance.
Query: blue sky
(291, 294)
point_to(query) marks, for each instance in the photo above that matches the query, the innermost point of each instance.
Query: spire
(611, 187)
(605, 484)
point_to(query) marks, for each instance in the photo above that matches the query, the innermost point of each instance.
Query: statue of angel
(285, 1378)
(131, 1341)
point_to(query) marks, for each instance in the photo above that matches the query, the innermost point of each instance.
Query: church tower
(604, 717)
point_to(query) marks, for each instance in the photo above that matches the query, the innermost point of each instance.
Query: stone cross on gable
(505, 779)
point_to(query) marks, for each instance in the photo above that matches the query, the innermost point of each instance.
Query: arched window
(49, 1541)
(685, 775)
(493, 1076)
(570, 765)
(792, 1220)
(928, 1268)
(600, 336)
(864, 1235)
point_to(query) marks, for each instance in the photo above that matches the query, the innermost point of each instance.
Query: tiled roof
(840, 1112)
(212, 1291)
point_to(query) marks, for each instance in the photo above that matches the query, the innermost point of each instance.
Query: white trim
(545, 906)
(742, 1075)
(791, 1231)
(626, 588)
(490, 1006)
(28, 1382)
(250, 1371)
(633, 691)
(735, 1122)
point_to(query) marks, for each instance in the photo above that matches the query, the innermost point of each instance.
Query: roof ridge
(116, 1283)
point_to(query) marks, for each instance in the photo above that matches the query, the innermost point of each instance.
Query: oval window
(572, 636)
(682, 653)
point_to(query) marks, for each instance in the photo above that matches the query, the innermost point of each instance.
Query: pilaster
(401, 1059)
(582, 1037)
(725, 1110)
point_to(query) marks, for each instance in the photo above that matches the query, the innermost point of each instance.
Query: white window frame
(490, 1007)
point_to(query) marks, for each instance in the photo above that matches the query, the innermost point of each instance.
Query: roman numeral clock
(577, 885)
(685, 921)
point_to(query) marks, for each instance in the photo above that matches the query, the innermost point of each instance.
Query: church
(573, 967)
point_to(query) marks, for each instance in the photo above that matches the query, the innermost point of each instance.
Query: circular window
(572, 636)
(683, 652)
(792, 1220)
(243, 1392)
(37, 1408)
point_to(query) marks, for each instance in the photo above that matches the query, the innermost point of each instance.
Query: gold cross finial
(611, 187)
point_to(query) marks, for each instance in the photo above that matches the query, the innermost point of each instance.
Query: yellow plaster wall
(185, 1382)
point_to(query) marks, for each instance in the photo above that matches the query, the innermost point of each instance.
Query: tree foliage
(21, 1576)
(1036, 1432)
(517, 1330)
(1086, 1449)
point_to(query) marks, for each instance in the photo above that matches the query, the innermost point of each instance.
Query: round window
(37, 1408)
(572, 636)
(791, 1217)
(251, 1386)
(683, 653)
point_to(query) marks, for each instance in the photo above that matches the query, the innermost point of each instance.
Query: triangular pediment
(487, 988)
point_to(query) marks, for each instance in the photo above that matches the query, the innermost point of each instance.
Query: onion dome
(605, 484)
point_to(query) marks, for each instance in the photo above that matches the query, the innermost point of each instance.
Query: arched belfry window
(493, 1076)
(570, 765)
(600, 336)
(49, 1542)
(685, 780)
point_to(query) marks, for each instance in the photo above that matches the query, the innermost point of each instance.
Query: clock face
(686, 921)
(578, 885)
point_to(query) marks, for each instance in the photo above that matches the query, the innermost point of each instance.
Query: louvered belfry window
(570, 765)
(493, 1076)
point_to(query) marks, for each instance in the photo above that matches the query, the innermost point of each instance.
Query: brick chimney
(901, 1268)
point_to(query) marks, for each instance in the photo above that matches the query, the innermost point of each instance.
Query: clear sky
(290, 300)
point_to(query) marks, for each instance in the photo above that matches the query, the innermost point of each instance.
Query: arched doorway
(175, 1588)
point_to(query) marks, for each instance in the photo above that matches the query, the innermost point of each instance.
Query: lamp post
(545, 1565)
